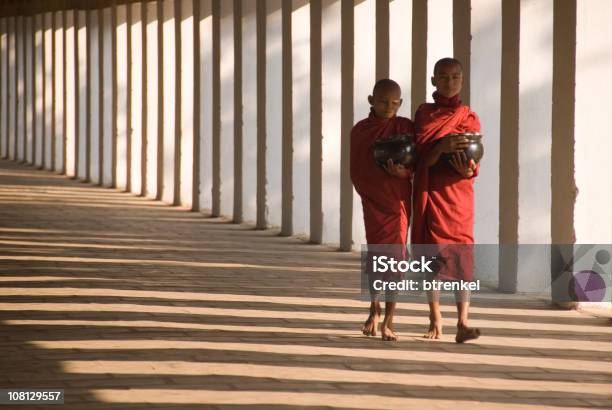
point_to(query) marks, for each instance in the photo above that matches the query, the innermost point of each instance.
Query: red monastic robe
(443, 200)
(385, 198)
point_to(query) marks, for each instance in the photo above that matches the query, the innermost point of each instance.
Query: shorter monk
(385, 192)
(443, 196)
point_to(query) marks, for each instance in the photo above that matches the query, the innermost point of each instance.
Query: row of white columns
(243, 108)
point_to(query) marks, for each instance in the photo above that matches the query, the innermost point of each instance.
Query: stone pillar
(419, 77)
(316, 99)
(508, 162)
(4, 84)
(381, 18)
(226, 101)
(206, 103)
(249, 111)
(300, 47)
(237, 213)
(287, 122)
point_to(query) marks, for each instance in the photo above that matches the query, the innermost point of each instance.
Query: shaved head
(445, 62)
(386, 84)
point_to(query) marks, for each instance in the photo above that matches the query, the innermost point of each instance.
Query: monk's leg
(386, 329)
(370, 326)
(464, 332)
(435, 316)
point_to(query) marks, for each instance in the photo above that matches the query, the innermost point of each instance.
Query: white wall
(400, 46)
(593, 210)
(95, 135)
(330, 39)
(70, 93)
(187, 107)
(300, 36)
(205, 113)
(227, 109)
(152, 55)
(439, 36)
(249, 112)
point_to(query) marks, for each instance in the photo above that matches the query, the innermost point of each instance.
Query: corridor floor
(125, 302)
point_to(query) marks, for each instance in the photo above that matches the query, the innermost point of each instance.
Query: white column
(58, 66)
(48, 87)
(19, 37)
(300, 36)
(274, 104)
(71, 79)
(227, 108)
(205, 104)
(439, 36)
(95, 90)
(12, 88)
(29, 90)
(593, 145)
(187, 95)
(122, 67)
(3, 87)
(107, 99)
(400, 47)
(485, 97)
(152, 55)
(81, 39)
(39, 116)
(136, 105)
(535, 110)
(365, 77)
(169, 123)
(330, 38)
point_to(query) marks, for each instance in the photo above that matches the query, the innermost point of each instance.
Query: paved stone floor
(128, 303)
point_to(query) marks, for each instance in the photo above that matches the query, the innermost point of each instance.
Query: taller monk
(385, 192)
(443, 197)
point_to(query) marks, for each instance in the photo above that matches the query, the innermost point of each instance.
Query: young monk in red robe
(443, 196)
(385, 192)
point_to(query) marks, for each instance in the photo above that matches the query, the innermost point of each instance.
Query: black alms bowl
(400, 148)
(474, 150)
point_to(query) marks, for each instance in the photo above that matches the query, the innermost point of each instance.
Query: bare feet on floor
(388, 334)
(370, 326)
(435, 327)
(465, 333)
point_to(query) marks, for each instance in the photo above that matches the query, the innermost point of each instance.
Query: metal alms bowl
(400, 148)
(474, 150)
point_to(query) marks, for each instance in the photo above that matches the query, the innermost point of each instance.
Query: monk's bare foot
(435, 328)
(465, 333)
(387, 333)
(370, 326)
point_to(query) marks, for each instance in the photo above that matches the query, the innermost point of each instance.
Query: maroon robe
(385, 198)
(443, 200)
